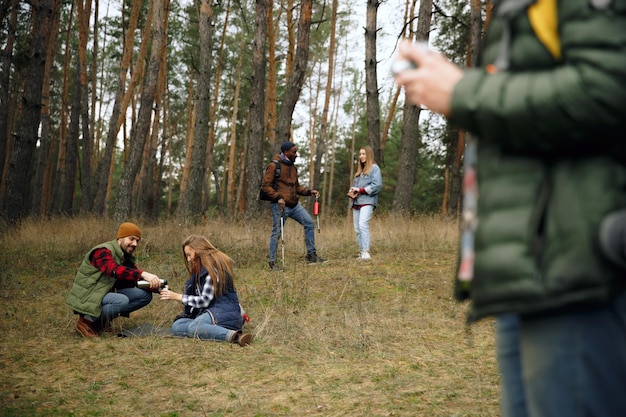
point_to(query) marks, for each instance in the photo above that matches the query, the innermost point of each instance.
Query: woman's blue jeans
(201, 327)
(299, 214)
(361, 219)
(572, 363)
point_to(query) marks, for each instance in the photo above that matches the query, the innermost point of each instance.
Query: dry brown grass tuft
(346, 338)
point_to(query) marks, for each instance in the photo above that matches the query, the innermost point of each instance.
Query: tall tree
(371, 78)
(320, 146)
(141, 128)
(84, 15)
(105, 163)
(17, 191)
(5, 78)
(44, 173)
(411, 140)
(257, 107)
(296, 77)
(190, 208)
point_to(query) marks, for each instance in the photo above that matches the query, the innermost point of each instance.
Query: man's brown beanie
(128, 229)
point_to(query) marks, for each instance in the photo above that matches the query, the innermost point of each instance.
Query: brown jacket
(287, 185)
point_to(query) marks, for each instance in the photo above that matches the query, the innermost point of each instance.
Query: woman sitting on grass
(212, 310)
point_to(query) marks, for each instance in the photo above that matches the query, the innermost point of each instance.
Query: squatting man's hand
(155, 282)
(433, 80)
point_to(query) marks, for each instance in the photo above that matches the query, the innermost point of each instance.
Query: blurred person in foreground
(212, 310)
(105, 286)
(367, 183)
(283, 192)
(548, 106)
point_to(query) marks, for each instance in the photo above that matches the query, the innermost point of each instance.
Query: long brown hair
(369, 161)
(217, 263)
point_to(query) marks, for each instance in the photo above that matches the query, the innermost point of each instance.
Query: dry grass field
(345, 338)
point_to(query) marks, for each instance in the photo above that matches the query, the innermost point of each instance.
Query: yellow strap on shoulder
(543, 19)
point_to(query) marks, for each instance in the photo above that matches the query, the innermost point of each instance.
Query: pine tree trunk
(103, 171)
(84, 15)
(257, 109)
(16, 194)
(411, 140)
(320, 146)
(371, 79)
(271, 97)
(296, 78)
(191, 209)
(232, 160)
(141, 128)
(44, 175)
(5, 78)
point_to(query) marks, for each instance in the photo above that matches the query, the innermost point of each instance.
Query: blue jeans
(361, 219)
(299, 214)
(512, 398)
(201, 327)
(573, 363)
(123, 302)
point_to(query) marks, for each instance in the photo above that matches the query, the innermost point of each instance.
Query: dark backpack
(262, 195)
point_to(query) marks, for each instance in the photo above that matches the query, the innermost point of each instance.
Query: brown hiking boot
(86, 328)
(244, 339)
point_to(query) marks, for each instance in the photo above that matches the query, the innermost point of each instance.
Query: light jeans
(299, 214)
(201, 327)
(123, 302)
(361, 219)
(572, 364)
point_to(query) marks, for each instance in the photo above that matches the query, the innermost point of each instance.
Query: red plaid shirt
(126, 274)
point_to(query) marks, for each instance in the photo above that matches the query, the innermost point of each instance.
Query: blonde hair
(369, 161)
(217, 263)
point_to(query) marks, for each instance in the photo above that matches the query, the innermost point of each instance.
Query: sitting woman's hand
(166, 294)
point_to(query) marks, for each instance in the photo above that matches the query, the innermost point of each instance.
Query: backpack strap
(277, 171)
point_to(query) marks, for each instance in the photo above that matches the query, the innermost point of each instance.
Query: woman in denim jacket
(367, 183)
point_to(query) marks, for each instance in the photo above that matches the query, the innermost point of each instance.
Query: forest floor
(346, 338)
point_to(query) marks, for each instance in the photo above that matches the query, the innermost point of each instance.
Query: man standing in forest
(105, 286)
(283, 188)
(548, 105)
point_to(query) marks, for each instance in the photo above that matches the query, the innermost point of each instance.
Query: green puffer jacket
(91, 285)
(551, 160)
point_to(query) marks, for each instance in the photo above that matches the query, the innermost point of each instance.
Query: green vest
(91, 285)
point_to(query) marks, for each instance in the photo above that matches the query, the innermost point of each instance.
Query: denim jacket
(372, 184)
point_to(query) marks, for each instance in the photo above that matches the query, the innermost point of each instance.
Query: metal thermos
(146, 285)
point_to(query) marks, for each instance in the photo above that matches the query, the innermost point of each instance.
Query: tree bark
(320, 146)
(411, 138)
(296, 78)
(84, 15)
(257, 109)
(371, 79)
(103, 170)
(271, 97)
(141, 129)
(44, 173)
(17, 191)
(232, 160)
(5, 78)
(191, 209)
